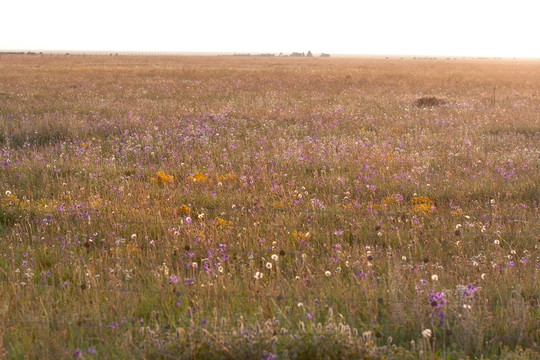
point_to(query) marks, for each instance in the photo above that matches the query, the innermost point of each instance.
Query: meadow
(269, 208)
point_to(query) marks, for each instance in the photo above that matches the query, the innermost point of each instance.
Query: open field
(184, 207)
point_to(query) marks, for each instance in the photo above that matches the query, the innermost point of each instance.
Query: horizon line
(246, 54)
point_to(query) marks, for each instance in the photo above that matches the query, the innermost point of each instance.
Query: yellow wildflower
(183, 210)
(423, 204)
(229, 176)
(300, 235)
(221, 222)
(197, 177)
(162, 177)
(391, 200)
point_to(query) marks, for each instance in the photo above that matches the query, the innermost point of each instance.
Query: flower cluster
(197, 177)
(162, 178)
(423, 205)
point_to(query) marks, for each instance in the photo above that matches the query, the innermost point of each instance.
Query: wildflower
(221, 222)
(483, 276)
(426, 333)
(77, 353)
(188, 220)
(327, 273)
(269, 265)
(496, 242)
(229, 176)
(436, 300)
(162, 178)
(183, 210)
(423, 204)
(274, 257)
(434, 277)
(258, 275)
(91, 350)
(366, 335)
(300, 235)
(197, 177)
(173, 279)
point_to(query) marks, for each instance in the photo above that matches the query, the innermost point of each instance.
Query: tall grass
(259, 208)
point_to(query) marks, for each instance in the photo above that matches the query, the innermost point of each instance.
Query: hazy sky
(416, 27)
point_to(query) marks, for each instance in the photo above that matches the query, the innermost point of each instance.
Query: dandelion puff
(327, 273)
(269, 265)
(366, 335)
(258, 275)
(435, 277)
(426, 333)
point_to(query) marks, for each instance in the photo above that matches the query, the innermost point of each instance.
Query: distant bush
(429, 101)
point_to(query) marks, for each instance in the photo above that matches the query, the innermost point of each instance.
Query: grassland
(257, 208)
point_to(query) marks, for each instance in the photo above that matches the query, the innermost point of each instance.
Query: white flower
(274, 257)
(258, 275)
(483, 276)
(269, 265)
(426, 333)
(434, 277)
(366, 335)
(327, 273)
(496, 242)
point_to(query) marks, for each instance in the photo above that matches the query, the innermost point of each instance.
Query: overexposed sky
(508, 28)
